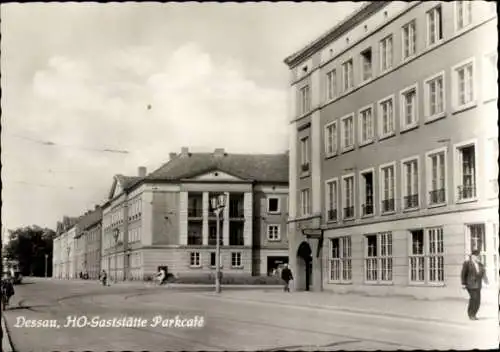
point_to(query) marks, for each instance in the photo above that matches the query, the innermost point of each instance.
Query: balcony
(367, 209)
(305, 167)
(195, 213)
(332, 214)
(348, 212)
(411, 201)
(388, 205)
(437, 196)
(466, 192)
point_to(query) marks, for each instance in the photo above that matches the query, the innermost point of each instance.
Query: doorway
(304, 263)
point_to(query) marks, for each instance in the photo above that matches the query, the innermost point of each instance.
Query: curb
(6, 339)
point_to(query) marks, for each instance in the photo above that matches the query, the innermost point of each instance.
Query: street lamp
(218, 204)
(46, 257)
(116, 233)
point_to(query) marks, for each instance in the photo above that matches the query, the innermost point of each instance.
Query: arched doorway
(304, 264)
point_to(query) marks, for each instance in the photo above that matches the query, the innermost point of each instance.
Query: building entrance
(304, 266)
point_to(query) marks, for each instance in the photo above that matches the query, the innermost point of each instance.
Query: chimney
(172, 156)
(142, 171)
(184, 151)
(219, 152)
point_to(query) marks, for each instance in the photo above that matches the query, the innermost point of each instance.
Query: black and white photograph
(249, 176)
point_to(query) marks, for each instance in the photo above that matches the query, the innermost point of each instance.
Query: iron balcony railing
(411, 201)
(388, 205)
(437, 196)
(348, 212)
(466, 192)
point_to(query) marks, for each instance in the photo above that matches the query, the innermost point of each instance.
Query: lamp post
(116, 233)
(46, 257)
(218, 204)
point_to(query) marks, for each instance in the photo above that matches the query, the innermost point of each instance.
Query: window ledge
(347, 149)
(409, 58)
(240, 267)
(435, 117)
(274, 240)
(386, 136)
(332, 221)
(365, 143)
(409, 128)
(305, 174)
(468, 200)
(490, 99)
(432, 46)
(195, 266)
(274, 212)
(367, 216)
(464, 107)
(330, 155)
(335, 282)
(463, 29)
(378, 283)
(408, 210)
(349, 219)
(437, 205)
(391, 212)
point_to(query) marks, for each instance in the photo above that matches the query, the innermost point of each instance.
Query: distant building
(63, 259)
(393, 149)
(88, 243)
(164, 218)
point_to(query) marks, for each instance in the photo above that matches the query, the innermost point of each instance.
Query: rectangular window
(347, 75)
(366, 64)
(273, 205)
(340, 260)
(490, 77)
(426, 258)
(194, 259)
(388, 188)
(332, 196)
(417, 256)
(367, 193)
(273, 232)
(213, 258)
(386, 53)
(464, 84)
(467, 172)
(366, 125)
(434, 96)
(410, 184)
(331, 84)
(236, 260)
(304, 202)
(492, 168)
(409, 105)
(437, 178)
(304, 154)
(434, 26)
(486, 243)
(386, 113)
(463, 13)
(409, 40)
(305, 100)
(347, 133)
(436, 254)
(348, 194)
(331, 139)
(378, 258)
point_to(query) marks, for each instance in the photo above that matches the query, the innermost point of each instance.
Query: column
(316, 144)
(225, 225)
(146, 218)
(205, 207)
(183, 217)
(248, 214)
(292, 165)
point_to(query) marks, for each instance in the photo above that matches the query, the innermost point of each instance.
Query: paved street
(263, 319)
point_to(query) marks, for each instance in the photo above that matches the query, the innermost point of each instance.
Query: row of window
(135, 209)
(425, 255)
(134, 235)
(113, 219)
(195, 260)
(464, 96)
(434, 36)
(436, 176)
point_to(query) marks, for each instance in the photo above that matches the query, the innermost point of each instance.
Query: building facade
(88, 243)
(393, 149)
(164, 218)
(63, 259)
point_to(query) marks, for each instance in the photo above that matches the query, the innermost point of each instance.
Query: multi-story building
(164, 218)
(63, 260)
(88, 243)
(393, 149)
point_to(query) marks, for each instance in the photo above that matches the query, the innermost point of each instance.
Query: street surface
(242, 319)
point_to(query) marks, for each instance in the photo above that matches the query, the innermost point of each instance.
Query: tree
(29, 245)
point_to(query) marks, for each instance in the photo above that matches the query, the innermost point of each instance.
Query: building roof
(264, 168)
(90, 218)
(365, 11)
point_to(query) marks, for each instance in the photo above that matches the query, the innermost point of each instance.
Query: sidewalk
(5, 338)
(448, 311)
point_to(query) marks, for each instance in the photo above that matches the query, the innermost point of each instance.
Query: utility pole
(46, 257)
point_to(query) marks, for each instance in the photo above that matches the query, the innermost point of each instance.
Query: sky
(91, 90)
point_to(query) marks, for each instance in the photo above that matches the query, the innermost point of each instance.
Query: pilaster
(225, 223)
(292, 178)
(316, 162)
(205, 206)
(146, 219)
(183, 218)
(248, 214)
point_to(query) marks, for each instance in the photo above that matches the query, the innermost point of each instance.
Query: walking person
(7, 290)
(286, 276)
(473, 274)
(104, 278)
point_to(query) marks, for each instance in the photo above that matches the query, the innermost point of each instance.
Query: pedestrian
(286, 276)
(104, 277)
(7, 290)
(161, 276)
(473, 274)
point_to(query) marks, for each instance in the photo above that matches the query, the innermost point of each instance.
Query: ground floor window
(426, 255)
(236, 260)
(213, 258)
(340, 259)
(378, 258)
(478, 238)
(194, 259)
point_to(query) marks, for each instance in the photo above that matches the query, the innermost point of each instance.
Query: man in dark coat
(7, 290)
(286, 275)
(473, 274)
